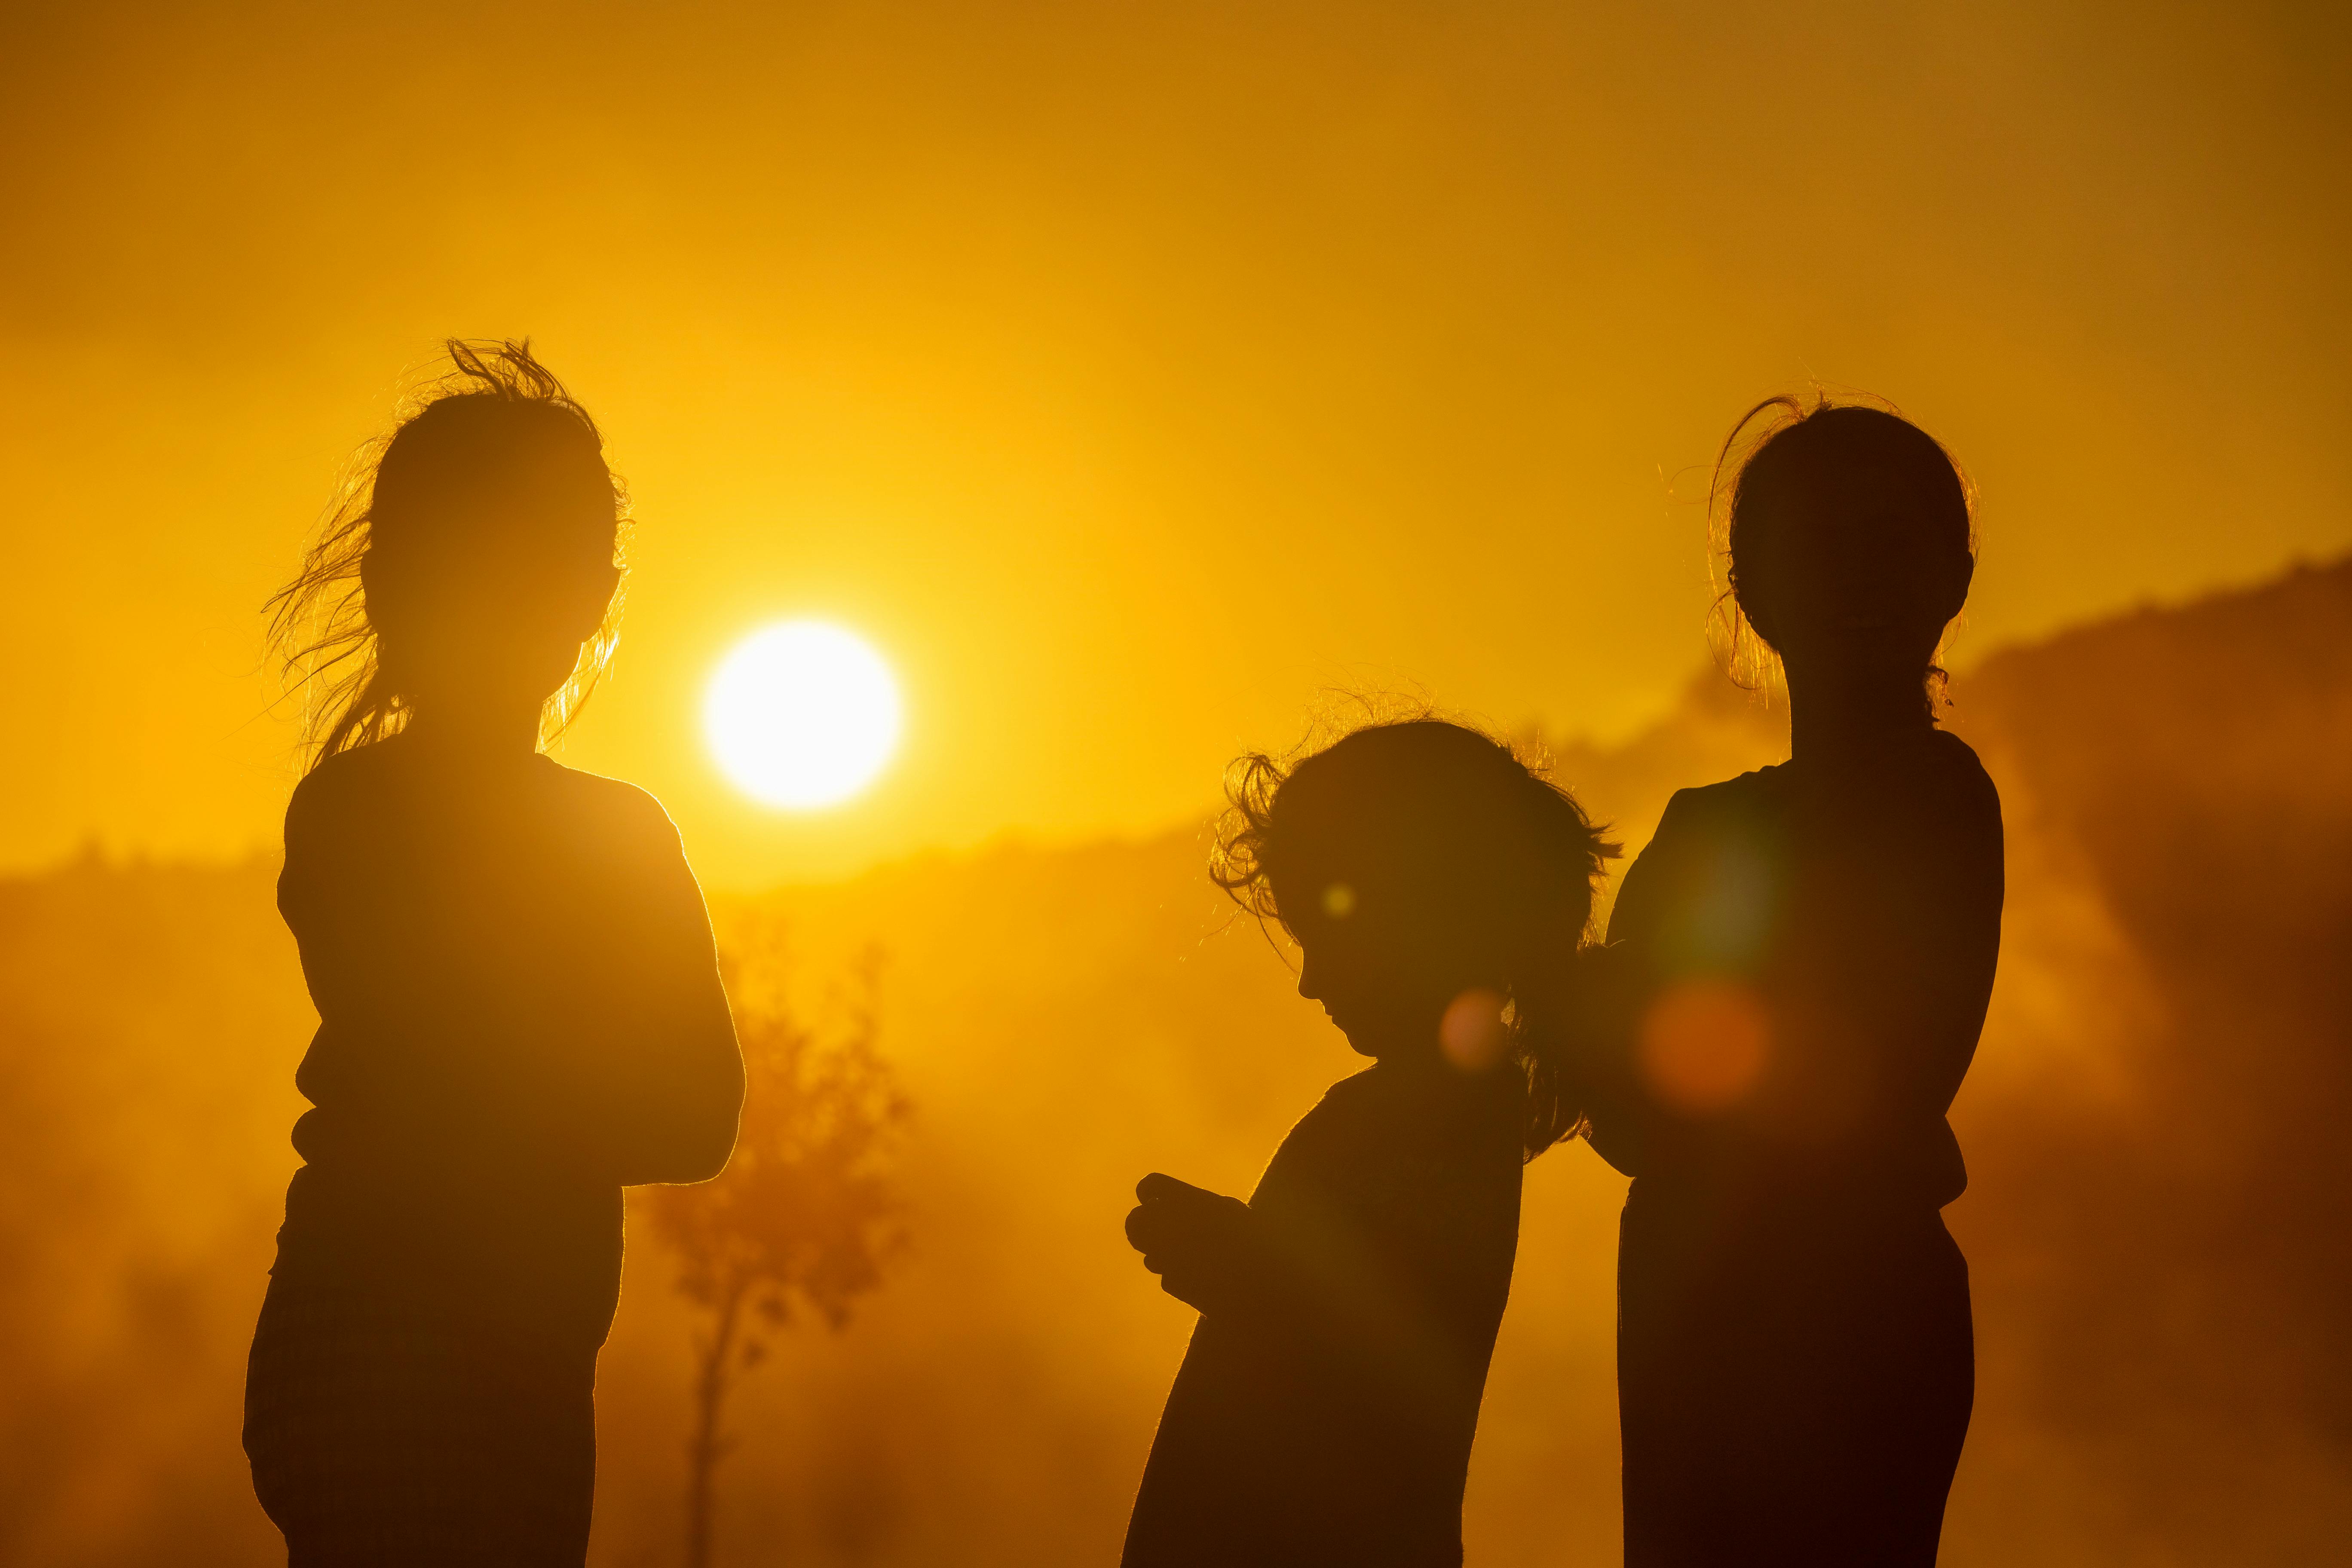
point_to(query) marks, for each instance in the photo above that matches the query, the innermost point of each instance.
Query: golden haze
(1129, 373)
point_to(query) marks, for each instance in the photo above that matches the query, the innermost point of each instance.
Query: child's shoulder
(1351, 1102)
(1725, 793)
(1359, 1088)
(1389, 1095)
(338, 784)
(1960, 798)
(337, 809)
(1944, 764)
(1393, 1123)
(365, 778)
(613, 807)
(1702, 807)
(601, 792)
(1960, 770)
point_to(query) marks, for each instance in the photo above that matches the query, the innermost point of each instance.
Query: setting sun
(802, 715)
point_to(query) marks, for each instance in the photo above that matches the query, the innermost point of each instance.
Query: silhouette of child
(1797, 967)
(1325, 1410)
(518, 1002)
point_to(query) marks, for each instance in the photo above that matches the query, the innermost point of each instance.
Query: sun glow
(802, 715)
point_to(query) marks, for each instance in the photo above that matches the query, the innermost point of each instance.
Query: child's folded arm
(673, 1112)
(1206, 1247)
(1902, 957)
(667, 1093)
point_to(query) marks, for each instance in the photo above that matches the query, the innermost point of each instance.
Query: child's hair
(1787, 464)
(1469, 830)
(493, 444)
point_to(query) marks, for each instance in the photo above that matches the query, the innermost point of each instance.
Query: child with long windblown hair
(1435, 885)
(518, 1000)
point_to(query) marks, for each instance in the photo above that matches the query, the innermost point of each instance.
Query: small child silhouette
(518, 1002)
(1325, 1410)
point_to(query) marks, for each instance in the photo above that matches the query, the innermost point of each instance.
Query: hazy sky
(1128, 373)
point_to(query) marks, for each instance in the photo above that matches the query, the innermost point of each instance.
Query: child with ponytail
(1797, 967)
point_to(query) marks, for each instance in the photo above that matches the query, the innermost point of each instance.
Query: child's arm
(1203, 1245)
(663, 1093)
(1901, 920)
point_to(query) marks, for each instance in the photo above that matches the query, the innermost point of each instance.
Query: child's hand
(1191, 1238)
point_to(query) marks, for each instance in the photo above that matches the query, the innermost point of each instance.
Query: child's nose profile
(1309, 985)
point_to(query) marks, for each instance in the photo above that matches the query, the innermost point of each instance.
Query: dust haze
(2154, 1223)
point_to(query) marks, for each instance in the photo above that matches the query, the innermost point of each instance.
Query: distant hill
(2162, 1215)
(2156, 1224)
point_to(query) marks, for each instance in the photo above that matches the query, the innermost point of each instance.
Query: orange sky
(1128, 373)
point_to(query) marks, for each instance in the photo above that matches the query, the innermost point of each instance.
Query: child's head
(1419, 864)
(1851, 538)
(471, 566)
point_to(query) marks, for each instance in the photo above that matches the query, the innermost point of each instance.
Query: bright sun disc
(802, 714)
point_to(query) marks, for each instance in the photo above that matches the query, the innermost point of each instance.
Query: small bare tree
(805, 1215)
